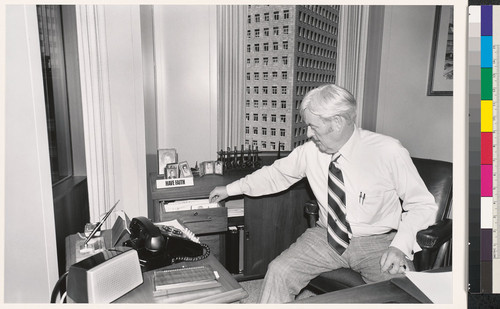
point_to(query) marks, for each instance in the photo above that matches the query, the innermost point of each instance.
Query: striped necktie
(338, 227)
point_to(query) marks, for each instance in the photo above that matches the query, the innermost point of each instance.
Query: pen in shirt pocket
(361, 197)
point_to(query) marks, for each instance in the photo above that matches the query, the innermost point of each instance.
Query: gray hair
(329, 100)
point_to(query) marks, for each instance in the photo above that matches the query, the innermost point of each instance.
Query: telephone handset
(158, 247)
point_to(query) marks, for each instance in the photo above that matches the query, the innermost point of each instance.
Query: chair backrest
(437, 176)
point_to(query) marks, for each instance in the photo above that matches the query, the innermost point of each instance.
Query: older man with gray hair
(358, 178)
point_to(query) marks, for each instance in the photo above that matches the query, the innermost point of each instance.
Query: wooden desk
(230, 290)
(400, 290)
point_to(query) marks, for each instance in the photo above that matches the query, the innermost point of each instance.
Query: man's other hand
(393, 261)
(218, 194)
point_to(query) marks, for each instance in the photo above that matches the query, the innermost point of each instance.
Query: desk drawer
(200, 221)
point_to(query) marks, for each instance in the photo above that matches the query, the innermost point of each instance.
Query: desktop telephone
(158, 247)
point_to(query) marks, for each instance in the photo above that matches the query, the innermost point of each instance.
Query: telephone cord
(193, 259)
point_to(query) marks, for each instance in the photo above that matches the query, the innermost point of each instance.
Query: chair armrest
(435, 235)
(311, 210)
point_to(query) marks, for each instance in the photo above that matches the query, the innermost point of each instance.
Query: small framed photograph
(184, 169)
(218, 168)
(206, 168)
(172, 171)
(166, 156)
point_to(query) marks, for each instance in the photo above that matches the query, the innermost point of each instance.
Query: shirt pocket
(369, 204)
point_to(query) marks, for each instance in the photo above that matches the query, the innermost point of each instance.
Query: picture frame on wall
(440, 81)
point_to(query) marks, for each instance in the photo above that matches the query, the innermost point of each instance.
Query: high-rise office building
(290, 49)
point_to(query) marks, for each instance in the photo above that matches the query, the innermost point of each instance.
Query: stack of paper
(437, 286)
(189, 205)
(235, 208)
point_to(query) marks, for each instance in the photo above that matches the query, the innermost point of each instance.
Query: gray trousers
(311, 255)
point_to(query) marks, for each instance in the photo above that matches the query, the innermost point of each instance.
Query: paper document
(189, 205)
(176, 224)
(437, 286)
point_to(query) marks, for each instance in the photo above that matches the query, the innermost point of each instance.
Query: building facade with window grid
(289, 51)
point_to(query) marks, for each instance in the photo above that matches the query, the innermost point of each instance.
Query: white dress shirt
(377, 172)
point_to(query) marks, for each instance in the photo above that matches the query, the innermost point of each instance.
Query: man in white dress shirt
(358, 178)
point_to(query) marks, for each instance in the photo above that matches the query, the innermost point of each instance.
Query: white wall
(185, 47)
(123, 34)
(30, 258)
(422, 123)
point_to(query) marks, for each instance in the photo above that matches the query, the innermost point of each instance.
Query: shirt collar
(347, 149)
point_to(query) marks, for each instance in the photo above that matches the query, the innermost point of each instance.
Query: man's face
(325, 134)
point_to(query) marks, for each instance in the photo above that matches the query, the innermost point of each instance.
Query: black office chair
(435, 241)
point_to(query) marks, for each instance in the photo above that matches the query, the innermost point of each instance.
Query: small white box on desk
(105, 276)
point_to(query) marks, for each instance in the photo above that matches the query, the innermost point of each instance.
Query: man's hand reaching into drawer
(218, 194)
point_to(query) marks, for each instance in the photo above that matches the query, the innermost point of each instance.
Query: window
(283, 118)
(285, 29)
(264, 104)
(282, 132)
(248, 90)
(265, 60)
(266, 46)
(264, 89)
(276, 15)
(264, 131)
(257, 33)
(256, 75)
(247, 103)
(276, 30)
(249, 49)
(286, 14)
(275, 60)
(273, 119)
(247, 130)
(263, 145)
(256, 103)
(247, 116)
(274, 103)
(257, 18)
(265, 75)
(283, 90)
(273, 145)
(248, 76)
(256, 47)
(249, 19)
(275, 45)
(273, 131)
(56, 89)
(285, 44)
(283, 104)
(285, 60)
(255, 130)
(275, 89)
(249, 34)
(266, 16)
(254, 144)
(275, 74)
(256, 89)
(256, 60)
(284, 75)
(266, 31)
(255, 117)
(264, 117)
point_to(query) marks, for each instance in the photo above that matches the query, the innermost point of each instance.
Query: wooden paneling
(272, 224)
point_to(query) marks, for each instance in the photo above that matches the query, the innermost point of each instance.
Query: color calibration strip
(475, 158)
(484, 236)
(486, 149)
(495, 87)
